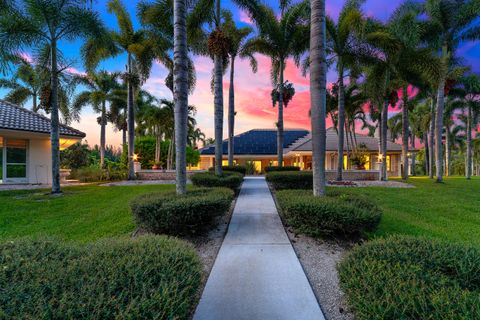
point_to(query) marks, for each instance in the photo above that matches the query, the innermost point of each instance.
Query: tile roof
(13, 117)
(371, 143)
(258, 142)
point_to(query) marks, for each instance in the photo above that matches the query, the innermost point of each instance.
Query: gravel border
(319, 259)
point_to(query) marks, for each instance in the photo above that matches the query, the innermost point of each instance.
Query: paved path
(257, 274)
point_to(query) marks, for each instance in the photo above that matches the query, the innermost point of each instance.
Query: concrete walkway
(257, 274)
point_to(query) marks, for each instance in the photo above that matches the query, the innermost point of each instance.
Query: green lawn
(83, 214)
(449, 211)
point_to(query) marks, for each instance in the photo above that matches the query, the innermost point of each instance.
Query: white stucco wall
(39, 161)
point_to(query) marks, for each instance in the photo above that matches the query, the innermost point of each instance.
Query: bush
(96, 174)
(151, 277)
(290, 180)
(337, 213)
(284, 168)
(231, 180)
(238, 169)
(168, 213)
(412, 278)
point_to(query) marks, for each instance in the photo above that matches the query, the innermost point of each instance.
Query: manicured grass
(84, 214)
(449, 211)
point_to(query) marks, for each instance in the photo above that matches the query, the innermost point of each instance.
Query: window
(16, 159)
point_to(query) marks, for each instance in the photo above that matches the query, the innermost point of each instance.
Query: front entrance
(13, 160)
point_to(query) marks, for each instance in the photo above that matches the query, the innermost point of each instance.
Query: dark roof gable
(257, 142)
(13, 117)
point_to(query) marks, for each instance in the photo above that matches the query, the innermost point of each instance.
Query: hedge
(168, 213)
(281, 169)
(412, 278)
(290, 180)
(239, 169)
(232, 180)
(151, 277)
(338, 213)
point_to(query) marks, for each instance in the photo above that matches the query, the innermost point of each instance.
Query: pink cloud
(245, 18)
(28, 57)
(75, 71)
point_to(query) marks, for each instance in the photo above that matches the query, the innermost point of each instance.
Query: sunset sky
(253, 103)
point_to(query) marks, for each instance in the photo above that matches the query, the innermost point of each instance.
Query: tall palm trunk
(55, 134)
(431, 141)
(103, 122)
(448, 149)
(384, 140)
(34, 102)
(218, 101)
(158, 147)
(130, 123)
(341, 121)
(318, 91)
(414, 156)
(427, 152)
(405, 133)
(280, 119)
(439, 121)
(180, 96)
(468, 168)
(231, 112)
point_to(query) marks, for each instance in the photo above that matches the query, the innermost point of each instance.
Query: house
(25, 152)
(260, 147)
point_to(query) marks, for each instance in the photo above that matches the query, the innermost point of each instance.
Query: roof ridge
(22, 109)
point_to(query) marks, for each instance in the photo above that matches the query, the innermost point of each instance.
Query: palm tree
(448, 23)
(318, 93)
(280, 39)
(100, 89)
(196, 135)
(237, 38)
(140, 55)
(471, 85)
(38, 23)
(180, 92)
(347, 50)
(26, 83)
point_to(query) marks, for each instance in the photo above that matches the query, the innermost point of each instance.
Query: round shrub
(412, 278)
(230, 180)
(281, 180)
(151, 277)
(337, 213)
(172, 214)
(281, 169)
(238, 169)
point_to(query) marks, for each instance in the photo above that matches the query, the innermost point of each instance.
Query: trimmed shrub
(96, 174)
(284, 168)
(231, 180)
(337, 213)
(238, 169)
(412, 278)
(150, 277)
(168, 213)
(290, 180)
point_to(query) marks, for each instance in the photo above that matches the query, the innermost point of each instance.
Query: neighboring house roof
(13, 117)
(258, 142)
(371, 143)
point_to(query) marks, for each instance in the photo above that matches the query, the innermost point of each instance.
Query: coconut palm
(140, 54)
(236, 38)
(100, 88)
(471, 84)
(46, 23)
(280, 39)
(448, 24)
(318, 93)
(180, 91)
(346, 49)
(26, 83)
